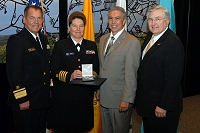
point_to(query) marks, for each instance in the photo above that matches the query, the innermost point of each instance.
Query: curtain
(187, 28)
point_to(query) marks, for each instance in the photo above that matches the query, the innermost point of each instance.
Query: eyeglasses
(157, 20)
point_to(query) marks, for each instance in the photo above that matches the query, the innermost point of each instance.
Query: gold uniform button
(44, 83)
(44, 73)
(79, 60)
(79, 66)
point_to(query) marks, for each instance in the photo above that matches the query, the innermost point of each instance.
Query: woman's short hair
(75, 15)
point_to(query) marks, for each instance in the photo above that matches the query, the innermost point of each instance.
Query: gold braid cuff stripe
(20, 93)
(62, 76)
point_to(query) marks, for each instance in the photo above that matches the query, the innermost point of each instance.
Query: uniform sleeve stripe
(62, 76)
(20, 94)
(19, 90)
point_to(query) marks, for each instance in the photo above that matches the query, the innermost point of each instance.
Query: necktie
(38, 41)
(149, 45)
(78, 46)
(109, 45)
(39, 47)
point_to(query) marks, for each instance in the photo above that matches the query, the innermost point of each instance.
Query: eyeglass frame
(157, 20)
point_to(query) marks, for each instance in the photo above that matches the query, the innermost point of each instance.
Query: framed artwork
(56, 14)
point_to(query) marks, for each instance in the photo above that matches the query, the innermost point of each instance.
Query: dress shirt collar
(116, 35)
(34, 34)
(77, 42)
(158, 36)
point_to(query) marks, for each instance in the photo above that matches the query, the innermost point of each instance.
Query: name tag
(70, 53)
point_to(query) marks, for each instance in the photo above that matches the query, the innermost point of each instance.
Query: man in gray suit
(119, 65)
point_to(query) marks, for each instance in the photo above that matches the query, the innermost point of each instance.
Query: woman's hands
(77, 74)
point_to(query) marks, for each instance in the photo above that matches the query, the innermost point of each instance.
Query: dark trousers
(161, 125)
(30, 121)
(74, 116)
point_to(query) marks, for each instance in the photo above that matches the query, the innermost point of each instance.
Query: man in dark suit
(72, 105)
(119, 65)
(159, 96)
(27, 63)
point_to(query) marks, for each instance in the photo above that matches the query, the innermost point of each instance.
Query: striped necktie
(109, 45)
(149, 44)
(38, 41)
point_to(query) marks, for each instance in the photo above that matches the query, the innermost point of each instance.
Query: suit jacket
(159, 76)
(28, 70)
(119, 66)
(65, 59)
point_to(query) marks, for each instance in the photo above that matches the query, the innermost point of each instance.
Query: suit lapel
(119, 41)
(44, 45)
(102, 49)
(155, 47)
(32, 41)
(104, 44)
(71, 45)
(146, 41)
(43, 42)
(83, 47)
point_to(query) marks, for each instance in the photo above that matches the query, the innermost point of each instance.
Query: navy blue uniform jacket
(65, 59)
(28, 70)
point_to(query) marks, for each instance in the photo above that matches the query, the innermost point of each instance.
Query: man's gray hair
(159, 7)
(119, 9)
